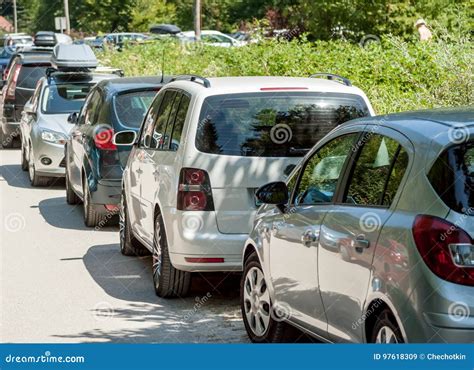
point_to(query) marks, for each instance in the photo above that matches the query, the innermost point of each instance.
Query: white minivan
(204, 148)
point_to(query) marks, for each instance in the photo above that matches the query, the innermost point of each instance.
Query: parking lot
(63, 282)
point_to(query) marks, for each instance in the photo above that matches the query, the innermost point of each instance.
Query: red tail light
(103, 139)
(12, 86)
(204, 260)
(439, 243)
(194, 191)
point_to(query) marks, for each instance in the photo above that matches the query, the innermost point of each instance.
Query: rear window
(64, 98)
(30, 75)
(272, 124)
(130, 108)
(452, 176)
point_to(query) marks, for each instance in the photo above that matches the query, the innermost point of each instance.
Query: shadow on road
(210, 313)
(16, 177)
(58, 213)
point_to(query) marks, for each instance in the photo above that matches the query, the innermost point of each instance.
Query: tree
(146, 13)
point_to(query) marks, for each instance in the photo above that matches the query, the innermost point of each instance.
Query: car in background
(118, 40)
(370, 239)
(6, 54)
(94, 164)
(24, 70)
(44, 124)
(13, 40)
(213, 38)
(204, 148)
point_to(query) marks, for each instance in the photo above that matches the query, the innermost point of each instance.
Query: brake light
(446, 249)
(194, 191)
(103, 139)
(204, 260)
(12, 86)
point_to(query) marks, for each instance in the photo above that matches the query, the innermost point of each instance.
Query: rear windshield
(272, 124)
(64, 98)
(130, 108)
(30, 75)
(452, 176)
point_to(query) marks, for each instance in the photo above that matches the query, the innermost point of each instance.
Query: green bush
(396, 75)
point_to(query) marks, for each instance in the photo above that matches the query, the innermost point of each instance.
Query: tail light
(103, 139)
(194, 191)
(12, 86)
(446, 249)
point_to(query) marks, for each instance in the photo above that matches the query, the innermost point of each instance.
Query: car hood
(56, 122)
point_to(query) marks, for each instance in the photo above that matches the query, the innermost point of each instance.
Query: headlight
(53, 137)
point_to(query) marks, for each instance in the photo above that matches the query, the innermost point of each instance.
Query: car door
(135, 164)
(350, 231)
(295, 234)
(28, 119)
(157, 158)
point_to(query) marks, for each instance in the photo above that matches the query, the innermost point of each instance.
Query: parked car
(214, 38)
(118, 40)
(93, 163)
(15, 39)
(370, 238)
(44, 124)
(204, 148)
(6, 54)
(23, 72)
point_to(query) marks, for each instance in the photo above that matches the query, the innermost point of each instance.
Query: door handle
(361, 242)
(309, 237)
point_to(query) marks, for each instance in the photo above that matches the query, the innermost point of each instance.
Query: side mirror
(273, 193)
(289, 169)
(29, 108)
(72, 118)
(125, 138)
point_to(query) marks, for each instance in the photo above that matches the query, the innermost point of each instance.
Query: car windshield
(30, 75)
(64, 98)
(130, 108)
(272, 124)
(452, 176)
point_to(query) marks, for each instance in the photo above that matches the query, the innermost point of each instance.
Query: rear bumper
(195, 235)
(106, 192)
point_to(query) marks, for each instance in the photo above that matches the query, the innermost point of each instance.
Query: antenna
(163, 66)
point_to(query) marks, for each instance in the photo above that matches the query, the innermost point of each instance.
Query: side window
(84, 115)
(371, 182)
(322, 171)
(162, 119)
(36, 94)
(179, 122)
(91, 112)
(148, 122)
(170, 124)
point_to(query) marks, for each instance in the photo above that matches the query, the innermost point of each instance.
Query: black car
(24, 71)
(94, 164)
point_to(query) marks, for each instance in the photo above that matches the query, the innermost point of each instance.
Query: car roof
(79, 77)
(34, 57)
(203, 32)
(225, 85)
(118, 85)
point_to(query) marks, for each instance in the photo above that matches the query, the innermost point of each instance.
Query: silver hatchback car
(371, 237)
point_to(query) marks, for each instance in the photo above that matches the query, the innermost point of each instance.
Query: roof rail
(332, 77)
(193, 78)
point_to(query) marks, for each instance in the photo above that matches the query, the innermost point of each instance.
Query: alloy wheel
(31, 166)
(257, 301)
(122, 221)
(157, 254)
(386, 335)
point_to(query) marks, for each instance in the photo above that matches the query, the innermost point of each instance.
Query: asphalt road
(63, 282)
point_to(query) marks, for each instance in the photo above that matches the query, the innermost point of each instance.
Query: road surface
(63, 282)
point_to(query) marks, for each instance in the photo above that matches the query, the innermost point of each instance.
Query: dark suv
(24, 71)
(93, 163)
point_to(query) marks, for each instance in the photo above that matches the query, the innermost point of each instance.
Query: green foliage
(146, 13)
(396, 75)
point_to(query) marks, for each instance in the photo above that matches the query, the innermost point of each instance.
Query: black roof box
(165, 29)
(45, 38)
(71, 57)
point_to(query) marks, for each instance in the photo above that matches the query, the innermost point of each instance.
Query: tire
(71, 196)
(168, 281)
(261, 322)
(92, 218)
(386, 329)
(35, 180)
(24, 160)
(129, 245)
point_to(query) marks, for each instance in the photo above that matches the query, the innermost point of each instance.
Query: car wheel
(71, 196)
(91, 216)
(35, 180)
(168, 281)
(386, 329)
(24, 160)
(129, 245)
(261, 323)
